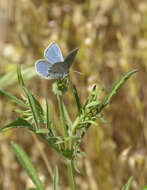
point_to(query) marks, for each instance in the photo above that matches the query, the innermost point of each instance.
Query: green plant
(127, 186)
(37, 120)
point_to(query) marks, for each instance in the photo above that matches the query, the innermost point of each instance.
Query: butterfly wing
(42, 66)
(58, 70)
(61, 69)
(70, 58)
(54, 67)
(53, 53)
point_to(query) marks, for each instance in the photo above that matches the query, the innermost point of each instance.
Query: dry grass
(112, 38)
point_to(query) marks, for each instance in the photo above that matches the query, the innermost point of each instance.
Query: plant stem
(62, 117)
(71, 175)
(61, 108)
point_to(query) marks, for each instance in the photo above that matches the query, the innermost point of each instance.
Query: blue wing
(51, 71)
(42, 67)
(53, 53)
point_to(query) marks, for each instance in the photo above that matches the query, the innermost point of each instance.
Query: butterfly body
(54, 66)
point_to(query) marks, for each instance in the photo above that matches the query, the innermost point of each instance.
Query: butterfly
(54, 66)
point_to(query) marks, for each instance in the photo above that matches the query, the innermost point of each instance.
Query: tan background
(112, 39)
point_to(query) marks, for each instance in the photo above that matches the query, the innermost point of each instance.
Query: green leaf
(42, 131)
(62, 116)
(79, 106)
(56, 178)
(75, 165)
(19, 76)
(90, 122)
(48, 121)
(24, 112)
(92, 96)
(92, 104)
(19, 123)
(117, 86)
(144, 188)
(31, 188)
(49, 125)
(32, 106)
(38, 106)
(27, 165)
(11, 77)
(13, 99)
(67, 115)
(128, 185)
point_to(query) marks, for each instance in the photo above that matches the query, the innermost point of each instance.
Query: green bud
(60, 86)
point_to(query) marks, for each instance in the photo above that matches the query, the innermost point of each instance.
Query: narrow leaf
(91, 122)
(19, 123)
(92, 96)
(92, 104)
(32, 106)
(19, 75)
(67, 115)
(11, 77)
(26, 112)
(117, 86)
(79, 106)
(56, 178)
(42, 131)
(48, 121)
(13, 98)
(39, 108)
(27, 165)
(128, 185)
(49, 125)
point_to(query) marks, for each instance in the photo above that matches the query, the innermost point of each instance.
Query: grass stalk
(71, 175)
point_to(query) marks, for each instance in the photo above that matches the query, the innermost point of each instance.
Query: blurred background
(112, 39)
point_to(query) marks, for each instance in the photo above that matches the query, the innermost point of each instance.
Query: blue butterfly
(54, 66)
